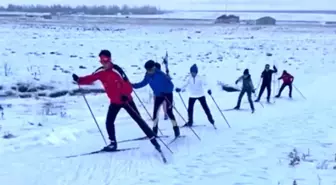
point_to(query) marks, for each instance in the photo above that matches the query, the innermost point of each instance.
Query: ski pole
(299, 92)
(213, 99)
(182, 101)
(182, 117)
(93, 116)
(143, 105)
(145, 122)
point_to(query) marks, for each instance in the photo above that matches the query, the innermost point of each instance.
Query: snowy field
(37, 132)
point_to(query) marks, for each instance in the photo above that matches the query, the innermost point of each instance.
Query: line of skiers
(119, 89)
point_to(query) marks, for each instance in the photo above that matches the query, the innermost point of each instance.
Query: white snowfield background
(36, 133)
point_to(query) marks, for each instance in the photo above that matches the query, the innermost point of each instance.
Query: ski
(141, 138)
(192, 126)
(235, 109)
(101, 151)
(173, 140)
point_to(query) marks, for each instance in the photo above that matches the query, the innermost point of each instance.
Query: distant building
(227, 19)
(266, 21)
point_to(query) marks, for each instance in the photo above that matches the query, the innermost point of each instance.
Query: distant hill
(270, 11)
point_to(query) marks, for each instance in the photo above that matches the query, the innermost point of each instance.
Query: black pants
(262, 89)
(133, 112)
(204, 105)
(249, 97)
(158, 101)
(283, 87)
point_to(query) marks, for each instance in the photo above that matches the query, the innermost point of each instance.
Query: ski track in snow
(253, 152)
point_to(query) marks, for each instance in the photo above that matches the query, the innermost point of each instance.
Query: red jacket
(113, 83)
(287, 78)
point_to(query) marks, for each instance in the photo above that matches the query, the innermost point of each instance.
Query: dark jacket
(159, 82)
(267, 75)
(247, 82)
(287, 78)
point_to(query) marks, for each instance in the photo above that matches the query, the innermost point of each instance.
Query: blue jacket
(158, 81)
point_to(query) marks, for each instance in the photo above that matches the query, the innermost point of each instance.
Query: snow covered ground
(40, 130)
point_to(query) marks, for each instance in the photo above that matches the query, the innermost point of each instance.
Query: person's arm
(89, 79)
(141, 84)
(275, 70)
(239, 79)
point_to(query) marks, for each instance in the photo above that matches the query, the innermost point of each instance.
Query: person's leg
(241, 94)
(191, 103)
(169, 100)
(110, 119)
(206, 109)
(157, 104)
(164, 105)
(249, 97)
(262, 89)
(280, 90)
(290, 90)
(132, 111)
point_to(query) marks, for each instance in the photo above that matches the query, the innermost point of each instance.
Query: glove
(209, 92)
(178, 90)
(237, 82)
(124, 98)
(75, 77)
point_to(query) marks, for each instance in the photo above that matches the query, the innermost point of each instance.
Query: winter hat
(194, 69)
(158, 65)
(149, 64)
(246, 72)
(284, 72)
(105, 53)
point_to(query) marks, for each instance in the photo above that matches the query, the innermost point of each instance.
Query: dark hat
(246, 72)
(194, 69)
(149, 64)
(105, 53)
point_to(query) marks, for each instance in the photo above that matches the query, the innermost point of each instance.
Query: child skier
(266, 76)
(119, 90)
(287, 81)
(247, 88)
(162, 87)
(164, 104)
(195, 85)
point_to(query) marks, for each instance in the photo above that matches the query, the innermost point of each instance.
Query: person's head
(267, 67)
(284, 72)
(150, 67)
(105, 58)
(157, 65)
(193, 70)
(246, 72)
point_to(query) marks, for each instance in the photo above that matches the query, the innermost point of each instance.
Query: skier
(119, 90)
(247, 88)
(287, 81)
(196, 84)
(266, 76)
(162, 87)
(164, 104)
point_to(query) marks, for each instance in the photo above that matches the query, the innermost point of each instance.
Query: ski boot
(176, 131)
(277, 96)
(188, 124)
(111, 147)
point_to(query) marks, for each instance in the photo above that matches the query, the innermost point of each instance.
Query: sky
(198, 4)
